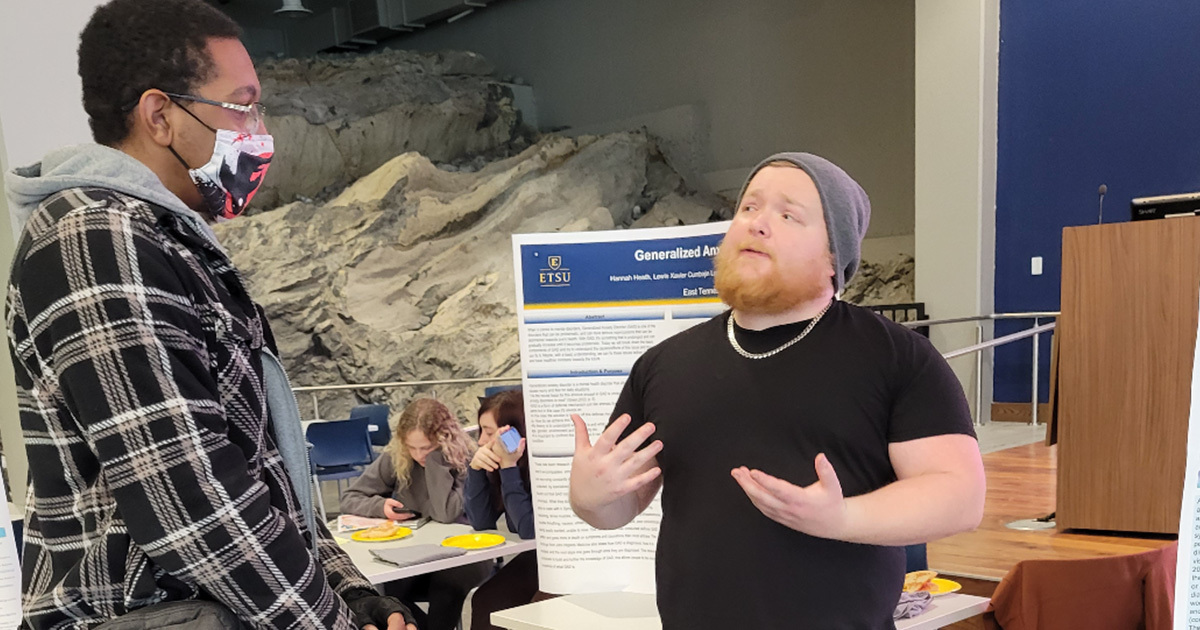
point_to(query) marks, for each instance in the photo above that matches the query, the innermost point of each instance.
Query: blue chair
(340, 450)
(496, 389)
(377, 422)
(915, 558)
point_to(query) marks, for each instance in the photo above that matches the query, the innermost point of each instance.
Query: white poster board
(10, 568)
(1187, 568)
(588, 305)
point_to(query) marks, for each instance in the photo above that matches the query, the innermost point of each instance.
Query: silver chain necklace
(762, 355)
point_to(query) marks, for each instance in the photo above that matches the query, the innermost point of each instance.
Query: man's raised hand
(605, 475)
(818, 509)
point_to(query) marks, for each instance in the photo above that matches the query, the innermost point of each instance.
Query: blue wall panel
(1090, 93)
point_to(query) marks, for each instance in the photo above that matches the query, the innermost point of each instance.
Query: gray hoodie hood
(92, 165)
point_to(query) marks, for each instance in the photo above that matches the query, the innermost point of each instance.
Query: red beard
(773, 292)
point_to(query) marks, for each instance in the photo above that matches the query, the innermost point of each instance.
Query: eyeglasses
(254, 112)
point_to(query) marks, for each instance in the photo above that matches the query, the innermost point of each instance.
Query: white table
(591, 611)
(637, 611)
(431, 534)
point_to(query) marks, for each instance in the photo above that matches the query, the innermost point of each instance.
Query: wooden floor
(1021, 484)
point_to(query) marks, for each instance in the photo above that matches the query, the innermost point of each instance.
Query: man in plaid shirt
(168, 481)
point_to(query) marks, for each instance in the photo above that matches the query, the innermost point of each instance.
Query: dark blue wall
(1090, 92)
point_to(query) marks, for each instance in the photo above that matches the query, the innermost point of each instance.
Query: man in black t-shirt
(800, 441)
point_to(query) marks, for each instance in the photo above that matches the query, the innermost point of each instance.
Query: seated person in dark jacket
(498, 483)
(422, 470)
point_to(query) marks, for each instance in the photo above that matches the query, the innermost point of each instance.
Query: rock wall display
(888, 282)
(407, 274)
(336, 118)
(412, 171)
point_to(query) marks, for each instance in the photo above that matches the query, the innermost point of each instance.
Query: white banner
(10, 568)
(1187, 568)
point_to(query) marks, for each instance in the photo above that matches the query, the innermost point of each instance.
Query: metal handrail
(313, 389)
(999, 341)
(448, 381)
(921, 323)
(980, 346)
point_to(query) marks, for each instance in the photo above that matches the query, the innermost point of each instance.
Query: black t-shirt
(855, 384)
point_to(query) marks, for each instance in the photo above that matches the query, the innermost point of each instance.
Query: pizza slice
(382, 530)
(920, 581)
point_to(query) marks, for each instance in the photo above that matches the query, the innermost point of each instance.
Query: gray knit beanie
(847, 209)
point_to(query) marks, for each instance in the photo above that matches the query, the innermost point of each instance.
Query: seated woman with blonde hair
(422, 471)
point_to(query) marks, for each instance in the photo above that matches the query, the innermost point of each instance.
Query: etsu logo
(554, 275)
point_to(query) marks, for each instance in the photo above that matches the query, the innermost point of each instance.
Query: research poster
(1187, 568)
(588, 305)
(10, 568)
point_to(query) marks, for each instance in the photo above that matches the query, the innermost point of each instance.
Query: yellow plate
(474, 541)
(402, 532)
(944, 586)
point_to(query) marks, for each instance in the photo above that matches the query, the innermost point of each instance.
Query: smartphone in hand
(511, 440)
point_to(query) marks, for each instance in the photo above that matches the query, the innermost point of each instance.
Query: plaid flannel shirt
(154, 476)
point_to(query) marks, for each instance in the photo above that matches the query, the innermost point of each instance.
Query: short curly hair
(130, 46)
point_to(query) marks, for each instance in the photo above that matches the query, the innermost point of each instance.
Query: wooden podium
(1126, 337)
